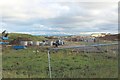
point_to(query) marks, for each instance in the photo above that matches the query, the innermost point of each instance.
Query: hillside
(13, 36)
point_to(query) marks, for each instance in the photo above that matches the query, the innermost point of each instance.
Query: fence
(110, 52)
(87, 61)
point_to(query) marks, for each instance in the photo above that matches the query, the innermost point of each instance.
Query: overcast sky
(45, 18)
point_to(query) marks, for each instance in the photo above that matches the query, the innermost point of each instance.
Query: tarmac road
(86, 48)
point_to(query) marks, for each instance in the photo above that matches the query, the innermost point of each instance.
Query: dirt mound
(114, 37)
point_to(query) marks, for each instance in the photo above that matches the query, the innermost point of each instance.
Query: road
(86, 48)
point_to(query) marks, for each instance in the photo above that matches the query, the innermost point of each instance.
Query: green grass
(13, 36)
(64, 64)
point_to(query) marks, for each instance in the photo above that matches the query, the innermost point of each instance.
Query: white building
(98, 34)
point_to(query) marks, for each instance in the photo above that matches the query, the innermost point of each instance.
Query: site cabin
(4, 38)
(3, 43)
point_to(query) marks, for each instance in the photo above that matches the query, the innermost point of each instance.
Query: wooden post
(49, 63)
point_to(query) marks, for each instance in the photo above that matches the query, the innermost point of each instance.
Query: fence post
(49, 63)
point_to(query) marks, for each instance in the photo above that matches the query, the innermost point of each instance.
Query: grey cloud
(79, 18)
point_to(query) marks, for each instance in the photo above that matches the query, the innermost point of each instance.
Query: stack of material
(24, 43)
(18, 40)
(37, 43)
(50, 43)
(30, 43)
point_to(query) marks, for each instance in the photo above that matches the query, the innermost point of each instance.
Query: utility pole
(49, 63)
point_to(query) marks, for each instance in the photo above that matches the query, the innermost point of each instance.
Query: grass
(64, 64)
(13, 36)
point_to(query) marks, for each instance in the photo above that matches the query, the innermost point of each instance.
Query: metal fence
(109, 49)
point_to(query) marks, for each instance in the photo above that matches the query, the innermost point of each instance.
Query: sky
(60, 17)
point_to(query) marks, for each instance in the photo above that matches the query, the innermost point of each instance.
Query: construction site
(27, 56)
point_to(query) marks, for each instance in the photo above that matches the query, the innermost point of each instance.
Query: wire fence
(74, 53)
(67, 62)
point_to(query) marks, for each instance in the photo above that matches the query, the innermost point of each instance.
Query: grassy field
(64, 63)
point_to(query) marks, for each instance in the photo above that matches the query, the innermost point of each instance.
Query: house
(98, 34)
